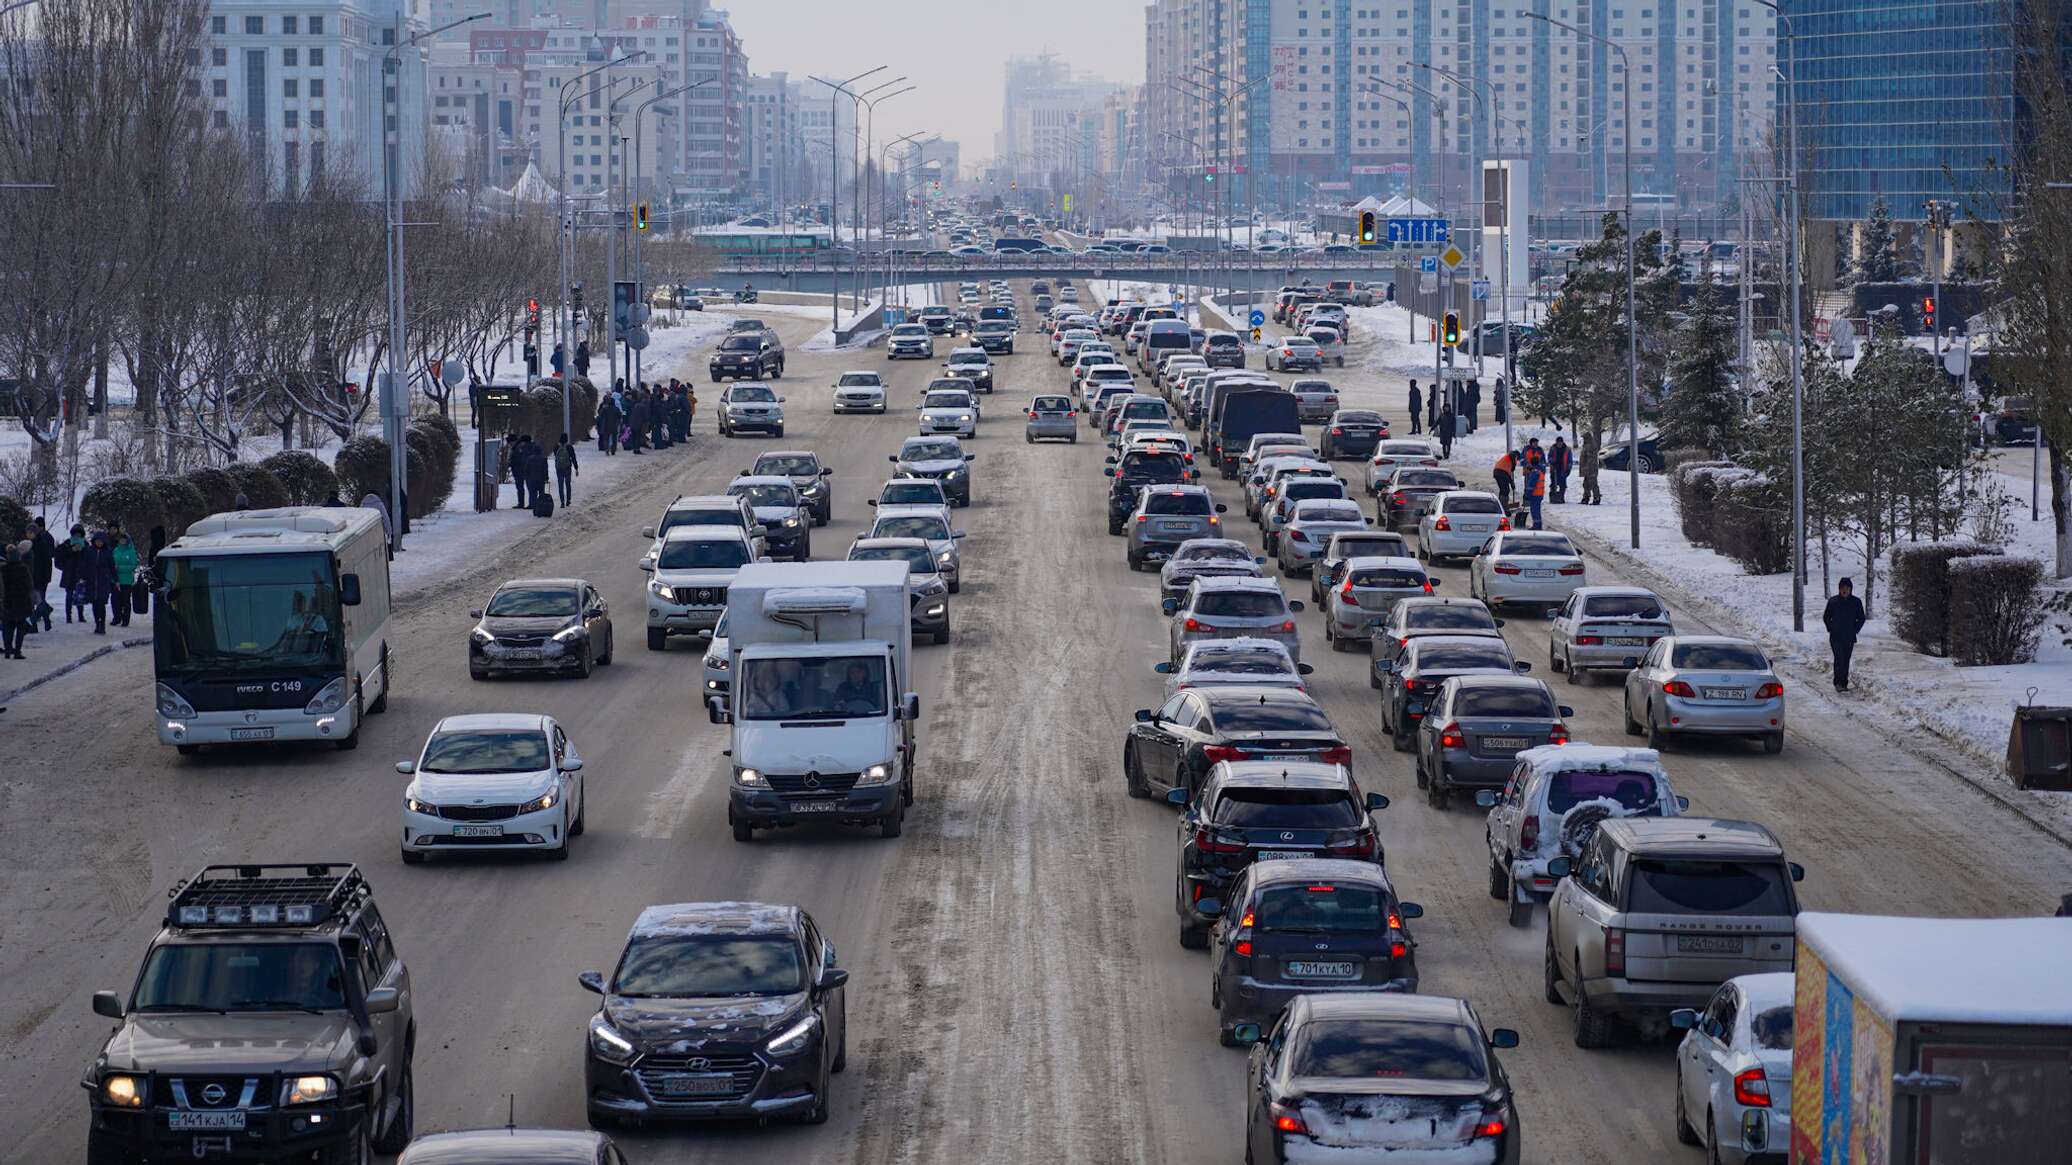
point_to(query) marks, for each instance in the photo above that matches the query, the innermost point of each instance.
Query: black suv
(717, 1010)
(748, 356)
(271, 1020)
(806, 472)
(1135, 471)
(1264, 810)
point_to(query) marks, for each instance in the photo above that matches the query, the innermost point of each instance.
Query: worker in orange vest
(1535, 491)
(1502, 471)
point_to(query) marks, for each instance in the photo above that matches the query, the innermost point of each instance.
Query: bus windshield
(250, 611)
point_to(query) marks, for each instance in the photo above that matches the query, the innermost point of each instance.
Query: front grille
(811, 786)
(193, 1092)
(478, 812)
(521, 640)
(653, 1071)
(700, 596)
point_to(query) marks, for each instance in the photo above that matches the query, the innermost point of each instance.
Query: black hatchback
(1175, 746)
(1262, 811)
(1303, 927)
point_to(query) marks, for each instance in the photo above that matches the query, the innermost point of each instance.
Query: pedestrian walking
(1560, 461)
(124, 556)
(1473, 397)
(18, 598)
(565, 468)
(1502, 472)
(1446, 421)
(582, 357)
(1535, 493)
(1503, 401)
(515, 461)
(42, 558)
(70, 558)
(537, 458)
(559, 360)
(1416, 410)
(1591, 494)
(100, 579)
(1844, 618)
(608, 426)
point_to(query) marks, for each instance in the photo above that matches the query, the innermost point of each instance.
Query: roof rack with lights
(249, 897)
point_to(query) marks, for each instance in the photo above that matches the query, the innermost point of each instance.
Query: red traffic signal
(1928, 311)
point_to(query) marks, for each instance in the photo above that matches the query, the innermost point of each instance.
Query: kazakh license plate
(478, 831)
(523, 653)
(251, 734)
(1285, 756)
(708, 1085)
(1275, 855)
(185, 1122)
(814, 806)
(1708, 944)
(1539, 574)
(1503, 743)
(1724, 693)
(1626, 641)
(1315, 970)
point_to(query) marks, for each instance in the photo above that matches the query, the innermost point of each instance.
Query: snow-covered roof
(533, 187)
(1403, 204)
(1582, 757)
(1950, 970)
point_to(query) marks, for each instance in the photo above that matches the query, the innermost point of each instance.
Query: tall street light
(1632, 317)
(1439, 352)
(612, 214)
(568, 235)
(861, 216)
(395, 402)
(640, 189)
(884, 245)
(1798, 340)
(839, 89)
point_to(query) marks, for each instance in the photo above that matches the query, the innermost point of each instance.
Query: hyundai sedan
(1206, 558)
(1175, 746)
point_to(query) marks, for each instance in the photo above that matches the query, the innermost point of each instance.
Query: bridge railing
(1046, 261)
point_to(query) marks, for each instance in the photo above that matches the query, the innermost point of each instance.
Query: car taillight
(1503, 523)
(1399, 497)
(1614, 951)
(1503, 568)
(1297, 536)
(1573, 570)
(1208, 843)
(1360, 845)
(1194, 624)
(1679, 688)
(1440, 523)
(1073, 413)
(1032, 414)
(1589, 640)
(1286, 1119)
(1242, 948)
(1769, 691)
(1529, 835)
(1427, 461)
(1288, 625)
(1491, 1124)
(1752, 1089)
(1142, 518)
(1218, 753)
(1337, 754)
(1450, 737)
(1558, 734)
(1346, 595)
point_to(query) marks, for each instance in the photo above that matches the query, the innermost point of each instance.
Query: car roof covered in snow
(1591, 758)
(716, 918)
(1977, 970)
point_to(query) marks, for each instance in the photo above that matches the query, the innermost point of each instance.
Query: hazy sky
(955, 50)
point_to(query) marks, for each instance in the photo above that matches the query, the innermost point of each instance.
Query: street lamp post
(1798, 339)
(395, 404)
(611, 237)
(1439, 351)
(640, 189)
(885, 160)
(838, 89)
(1632, 318)
(568, 236)
(863, 203)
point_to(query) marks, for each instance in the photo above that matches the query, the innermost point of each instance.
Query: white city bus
(272, 625)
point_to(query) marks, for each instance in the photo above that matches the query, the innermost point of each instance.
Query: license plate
(719, 1085)
(1277, 855)
(478, 831)
(1724, 693)
(813, 806)
(1539, 574)
(523, 653)
(1503, 743)
(1316, 970)
(1169, 527)
(1707, 944)
(251, 734)
(1416, 709)
(205, 1121)
(1627, 642)
(1481, 528)
(1285, 756)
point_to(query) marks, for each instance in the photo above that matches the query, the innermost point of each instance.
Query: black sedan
(1415, 1075)
(1409, 681)
(1264, 811)
(1352, 433)
(1414, 617)
(540, 625)
(1175, 746)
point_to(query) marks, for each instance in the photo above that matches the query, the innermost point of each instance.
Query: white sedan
(949, 410)
(1733, 1070)
(496, 780)
(1526, 566)
(859, 392)
(1395, 454)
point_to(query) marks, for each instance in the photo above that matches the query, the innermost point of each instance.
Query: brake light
(1072, 413)
(1573, 570)
(1346, 596)
(1218, 753)
(1491, 1125)
(1141, 518)
(1558, 734)
(1679, 688)
(1248, 919)
(1337, 754)
(1440, 523)
(1502, 568)
(1589, 640)
(1399, 496)
(1450, 737)
(1194, 624)
(1614, 951)
(1359, 846)
(1286, 1119)
(1032, 414)
(1207, 843)
(1503, 523)
(1242, 948)
(1288, 625)
(1529, 835)
(1769, 691)
(1428, 461)
(1752, 1089)
(1297, 536)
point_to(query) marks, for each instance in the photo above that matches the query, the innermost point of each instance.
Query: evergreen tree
(1702, 408)
(1878, 259)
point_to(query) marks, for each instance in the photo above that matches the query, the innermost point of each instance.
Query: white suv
(1553, 803)
(688, 591)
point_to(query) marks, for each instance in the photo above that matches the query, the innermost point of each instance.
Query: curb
(108, 648)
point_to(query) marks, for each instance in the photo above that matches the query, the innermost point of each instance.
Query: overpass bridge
(1222, 269)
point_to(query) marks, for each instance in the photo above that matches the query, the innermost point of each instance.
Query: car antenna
(511, 1120)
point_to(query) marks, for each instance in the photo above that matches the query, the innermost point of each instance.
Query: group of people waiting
(1544, 473)
(98, 571)
(640, 415)
(525, 461)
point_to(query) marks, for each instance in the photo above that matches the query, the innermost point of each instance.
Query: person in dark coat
(42, 559)
(1416, 410)
(582, 357)
(1446, 431)
(537, 458)
(559, 359)
(1473, 400)
(100, 578)
(1561, 460)
(17, 600)
(565, 468)
(607, 426)
(637, 420)
(679, 416)
(516, 463)
(70, 559)
(333, 501)
(1844, 618)
(1432, 408)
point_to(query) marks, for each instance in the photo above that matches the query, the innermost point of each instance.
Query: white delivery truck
(1931, 1041)
(823, 706)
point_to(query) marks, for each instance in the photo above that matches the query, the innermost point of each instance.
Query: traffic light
(640, 217)
(532, 313)
(1208, 175)
(1928, 313)
(1449, 332)
(1366, 227)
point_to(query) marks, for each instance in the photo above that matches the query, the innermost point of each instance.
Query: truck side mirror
(383, 1000)
(106, 1003)
(910, 706)
(349, 590)
(716, 711)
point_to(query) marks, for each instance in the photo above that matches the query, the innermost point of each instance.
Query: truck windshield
(250, 611)
(241, 977)
(827, 688)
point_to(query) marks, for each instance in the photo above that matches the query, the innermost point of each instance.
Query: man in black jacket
(42, 564)
(1844, 618)
(1416, 410)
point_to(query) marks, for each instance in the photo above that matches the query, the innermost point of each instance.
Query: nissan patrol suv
(271, 1022)
(1658, 912)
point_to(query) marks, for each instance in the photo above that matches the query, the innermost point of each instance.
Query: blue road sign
(1419, 230)
(1429, 264)
(1479, 289)
(1257, 318)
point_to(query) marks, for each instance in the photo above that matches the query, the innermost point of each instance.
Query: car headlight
(964, 416)
(658, 588)
(791, 521)
(718, 662)
(482, 637)
(946, 558)
(415, 805)
(308, 1090)
(123, 1091)
(172, 703)
(569, 634)
(793, 1040)
(330, 700)
(751, 779)
(606, 1041)
(875, 775)
(543, 801)
(957, 472)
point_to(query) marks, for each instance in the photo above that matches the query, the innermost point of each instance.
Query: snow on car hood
(934, 464)
(686, 1025)
(775, 513)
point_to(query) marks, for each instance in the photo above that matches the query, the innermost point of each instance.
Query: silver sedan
(1705, 685)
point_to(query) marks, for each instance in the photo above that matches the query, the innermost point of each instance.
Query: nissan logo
(812, 780)
(697, 1063)
(214, 1093)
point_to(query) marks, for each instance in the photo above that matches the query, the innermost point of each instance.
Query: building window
(316, 56)
(290, 58)
(218, 25)
(291, 119)
(316, 26)
(316, 119)
(221, 119)
(219, 57)
(255, 26)
(219, 88)
(316, 86)
(287, 26)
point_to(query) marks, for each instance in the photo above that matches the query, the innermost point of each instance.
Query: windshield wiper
(274, 1005)
(180, 1007)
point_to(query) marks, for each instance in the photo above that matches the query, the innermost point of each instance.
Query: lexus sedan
(1526, 566)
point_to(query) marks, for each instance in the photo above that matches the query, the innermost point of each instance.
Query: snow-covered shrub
(127, 501)
(303, 474)
(362, 465)
(1996, 609)
(14, 520)
(1921, 591)
(262, 490)
(182, 504)
(218, 489)
(1691, 486)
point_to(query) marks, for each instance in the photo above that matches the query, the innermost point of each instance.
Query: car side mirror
(971, 457)
(1164, 669)
(349, 590)
(1565, 710)
(1485, 798)
(1294, 605)
(1146, 715)
(716, 711)
(1553, 612)
(1503, 1037)
(893, 458)
(1683, 1019)
(592, 981)
(406, 767)
(1434, 583)
(647, 531)
(367, 1044)
(1559, 867)
(1303, 669)
(1798, 872)
(1258, 560)
(1245, 1034)
(1177, 797)
(1169, 606)
(106, 1003)
(1632, 661)
(1383, 667)
(1209, 907)
(1220, 507)
(383, 1000)
(832, 977)
(1376, 802)
(1498, 622)
(955, 534)
(573, 764)
(1683, 804)
(827, 471)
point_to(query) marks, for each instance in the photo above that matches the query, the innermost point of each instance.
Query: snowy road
(1018, 992)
